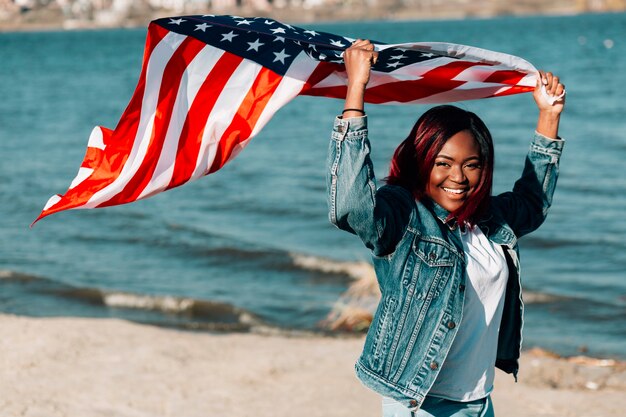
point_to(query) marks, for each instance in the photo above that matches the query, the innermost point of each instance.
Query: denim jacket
(420, 263)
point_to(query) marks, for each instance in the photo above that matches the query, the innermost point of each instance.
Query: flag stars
(202, 27)
(176, 21)
(428, 55)
(244, 22)
(228, 36)
(279, 39)
(255, 45)
(311, 32)
(393, 64)
(280, 56)
(398, 57)
(278, 30)
(337, 43)
(269, 22)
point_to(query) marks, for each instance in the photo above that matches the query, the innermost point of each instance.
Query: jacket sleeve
(378, 216)
(526, 207)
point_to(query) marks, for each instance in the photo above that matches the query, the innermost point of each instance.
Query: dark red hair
(414, 159)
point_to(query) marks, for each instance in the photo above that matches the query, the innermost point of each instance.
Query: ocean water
(251, 245)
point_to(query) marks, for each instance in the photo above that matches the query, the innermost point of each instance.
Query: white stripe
(476, 73)
(224, 111)
(154, 74)
(191, 81)
(289, 87)
(529, 80)
(52, 201)
(83, 174)
(96, 140)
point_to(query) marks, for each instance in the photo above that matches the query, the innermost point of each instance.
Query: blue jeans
(439, 407)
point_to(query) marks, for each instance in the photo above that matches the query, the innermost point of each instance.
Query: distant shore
(53, 19)
(100, 367)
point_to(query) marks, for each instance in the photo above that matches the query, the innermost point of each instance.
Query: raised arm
(358, 59)
(549, 113)
(525, 208)
(377, 216)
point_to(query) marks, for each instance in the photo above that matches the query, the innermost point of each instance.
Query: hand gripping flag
(208, 84)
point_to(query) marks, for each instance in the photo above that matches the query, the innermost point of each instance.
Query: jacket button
(434, 365)
(413, 403)
(451, 325)
(432, 256)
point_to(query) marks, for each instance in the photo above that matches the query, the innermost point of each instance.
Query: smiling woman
(457, 172)
(445, 251)
(455, 151)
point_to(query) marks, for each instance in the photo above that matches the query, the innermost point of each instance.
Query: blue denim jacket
(420, 263)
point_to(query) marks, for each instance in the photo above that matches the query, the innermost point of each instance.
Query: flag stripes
(208, 84)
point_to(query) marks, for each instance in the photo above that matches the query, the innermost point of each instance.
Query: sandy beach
(86, 367)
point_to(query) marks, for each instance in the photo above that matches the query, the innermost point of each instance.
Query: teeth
(454, 191)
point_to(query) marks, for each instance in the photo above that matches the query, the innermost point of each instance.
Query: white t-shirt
(468, 371)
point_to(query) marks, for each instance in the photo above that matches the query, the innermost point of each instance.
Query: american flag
(209, 83)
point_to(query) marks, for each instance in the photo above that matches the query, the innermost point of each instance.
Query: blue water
(234, 243)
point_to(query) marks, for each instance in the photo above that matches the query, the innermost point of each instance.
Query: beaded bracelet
(356, 110)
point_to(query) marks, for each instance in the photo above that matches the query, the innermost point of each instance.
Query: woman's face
(456, 172)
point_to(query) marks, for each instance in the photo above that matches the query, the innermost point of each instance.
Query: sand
(53, 367)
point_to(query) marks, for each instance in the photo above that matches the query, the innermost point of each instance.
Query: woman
(444, 250)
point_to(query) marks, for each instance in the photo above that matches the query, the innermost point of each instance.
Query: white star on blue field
(275, 45)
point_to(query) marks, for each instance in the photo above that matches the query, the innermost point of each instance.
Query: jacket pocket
(432, 253)
(434, 264)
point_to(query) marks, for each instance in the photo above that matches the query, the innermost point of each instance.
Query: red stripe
(193, 128)
(323, 70)
(509, 77)
(172, 76)
(247, 115)
(118, 143)
(93, 157)
(435, 81)
(516, 89)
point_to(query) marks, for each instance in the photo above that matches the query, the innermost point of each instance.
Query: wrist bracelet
(356, 110)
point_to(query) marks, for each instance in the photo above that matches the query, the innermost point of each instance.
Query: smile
(454, 190)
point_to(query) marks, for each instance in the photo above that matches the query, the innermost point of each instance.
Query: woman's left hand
(554, 88)
(549, 112)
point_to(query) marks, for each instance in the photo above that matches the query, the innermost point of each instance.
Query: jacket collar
(440, 212)
(492, 226)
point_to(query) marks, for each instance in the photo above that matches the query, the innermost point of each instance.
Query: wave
(357, 270)
(6, 275)
(167, 310)
(208, 310)
(535, 297)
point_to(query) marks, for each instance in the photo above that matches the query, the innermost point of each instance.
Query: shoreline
(100, 367)
(300, 17)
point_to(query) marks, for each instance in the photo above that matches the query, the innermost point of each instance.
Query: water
(251, 245)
